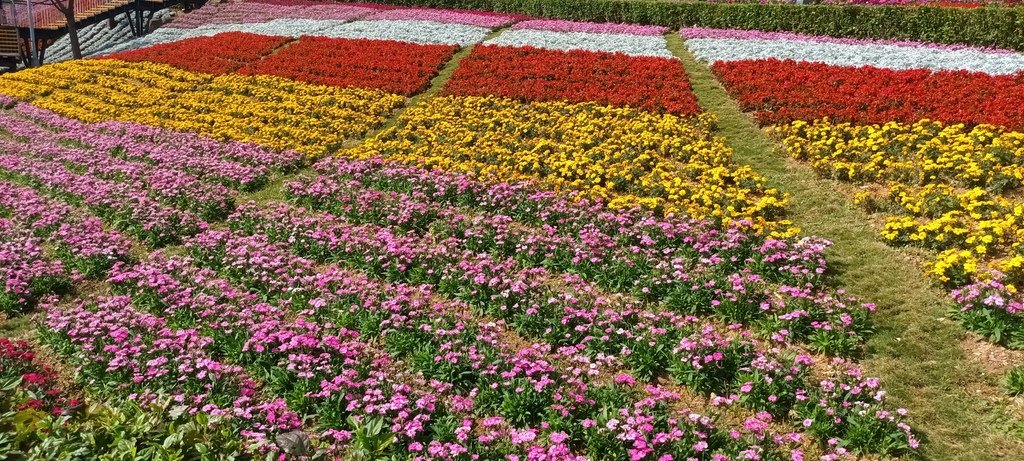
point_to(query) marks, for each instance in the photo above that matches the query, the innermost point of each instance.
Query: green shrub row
(991, 26)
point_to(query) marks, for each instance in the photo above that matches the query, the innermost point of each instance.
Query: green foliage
(989, 26)
(996, 324)
(370, 439)
(106, 433)
(1014, 381)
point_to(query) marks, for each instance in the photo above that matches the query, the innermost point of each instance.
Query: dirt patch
(992, 358)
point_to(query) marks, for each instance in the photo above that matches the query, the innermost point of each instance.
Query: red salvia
(782, 91)
(534, 74)
(397, 67)
(219, 54)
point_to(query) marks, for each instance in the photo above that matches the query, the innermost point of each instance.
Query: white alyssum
(161, 35)
(276, 27)
(97, 38)
(289, 27)
(416, 31)
(841, 54)
(427, 32)
(635, 45)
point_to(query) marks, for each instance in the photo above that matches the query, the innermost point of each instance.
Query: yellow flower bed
(622, 155)
(625, 156)
(951, 189)
(275, 112)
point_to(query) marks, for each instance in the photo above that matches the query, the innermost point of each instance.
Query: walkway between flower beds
(917, 355)
(915, 349)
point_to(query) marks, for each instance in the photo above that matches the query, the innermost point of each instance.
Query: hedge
(990, 26)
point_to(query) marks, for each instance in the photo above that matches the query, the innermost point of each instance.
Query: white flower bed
(845, 54)
(277, 27)
(635, 45)
(161, 35)
(287, 27)
(415, 31)
(97, 38)
(406, 30)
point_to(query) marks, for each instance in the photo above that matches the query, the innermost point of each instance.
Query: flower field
(225, 53)
(930, 133)
(284, 229)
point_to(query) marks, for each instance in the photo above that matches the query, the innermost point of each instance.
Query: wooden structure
(10, 52)
(50, 24)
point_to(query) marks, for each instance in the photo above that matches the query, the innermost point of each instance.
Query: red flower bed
(533, 74)
(38, 382)
(397, 67)
(783, 91)
(219, 54)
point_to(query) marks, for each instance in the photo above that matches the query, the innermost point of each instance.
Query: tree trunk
(69, 16)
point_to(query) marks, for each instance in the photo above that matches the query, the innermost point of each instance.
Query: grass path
(915, 350)
(433, 89)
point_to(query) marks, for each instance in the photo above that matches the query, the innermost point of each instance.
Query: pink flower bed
(597, 28)
(372, 6)
(257, 12)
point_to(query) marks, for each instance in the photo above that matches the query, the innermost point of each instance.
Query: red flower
(534, 74)
(16, 350)
(33, 378)
(34, 404)
(219, 54)
(783, 91)
(396, 67)
(16, 359)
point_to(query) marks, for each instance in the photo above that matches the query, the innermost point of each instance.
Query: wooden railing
(47, 16)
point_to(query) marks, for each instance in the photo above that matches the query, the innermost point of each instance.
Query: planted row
(779, 91)
(251, 261)
(393, 66)
(219, 54)
(277, 113)
(534, 74)
(623, 156)
(408, 324)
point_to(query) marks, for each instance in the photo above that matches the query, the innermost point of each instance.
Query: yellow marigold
(624, 156)
(957, 189)
(275, 112)
(1013, 267)
(954, 267)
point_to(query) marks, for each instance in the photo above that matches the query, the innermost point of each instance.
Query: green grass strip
(916, 349)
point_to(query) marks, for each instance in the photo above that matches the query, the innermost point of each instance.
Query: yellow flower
(272, 111)
(955, 190)
(625, 156)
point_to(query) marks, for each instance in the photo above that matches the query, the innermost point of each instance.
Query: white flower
(428, 32)
(636, 45)
(898, 57)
